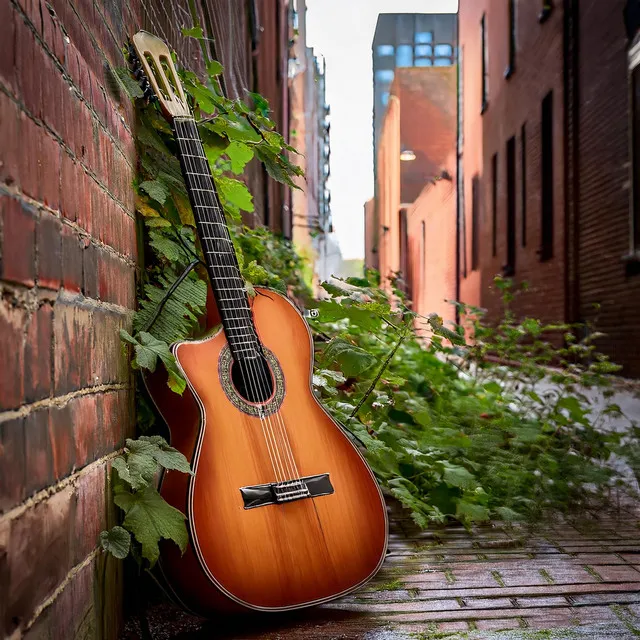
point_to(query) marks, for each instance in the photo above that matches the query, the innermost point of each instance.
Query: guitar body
(278, 556)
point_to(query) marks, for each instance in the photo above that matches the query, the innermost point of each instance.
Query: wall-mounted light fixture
(406, 155)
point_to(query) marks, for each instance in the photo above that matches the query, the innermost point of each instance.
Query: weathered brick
(108, 359)
(90, 271)
(12, 322)
(18, 241)
(37, 354)
(90, 512)
(88, 189)
(115, 280)
(71, 260)
(11, 142)
(86, 428)
(39, 464)
(49, 251)
(115, 409)
(28, 165)
(50, 171)
(72, 340)
(69, 187)
(62, 441)
(7, 45)
(12, 464)
(37, 556)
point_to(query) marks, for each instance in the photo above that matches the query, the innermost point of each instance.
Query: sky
(342, 31)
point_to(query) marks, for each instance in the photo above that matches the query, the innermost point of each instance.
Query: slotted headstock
(154, 69)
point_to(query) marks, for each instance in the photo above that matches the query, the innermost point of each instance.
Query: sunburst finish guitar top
(283, 511)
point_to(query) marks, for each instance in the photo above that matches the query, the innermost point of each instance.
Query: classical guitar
(283, 512)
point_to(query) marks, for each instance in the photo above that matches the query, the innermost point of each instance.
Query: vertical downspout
(571, 51)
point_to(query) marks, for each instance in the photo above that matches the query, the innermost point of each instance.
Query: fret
(222, 224)
(217, 238)
(252, 349)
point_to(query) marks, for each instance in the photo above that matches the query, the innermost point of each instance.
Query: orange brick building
(415, 183)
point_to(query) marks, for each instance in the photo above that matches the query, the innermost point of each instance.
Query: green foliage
(148, 518)
(450, 430)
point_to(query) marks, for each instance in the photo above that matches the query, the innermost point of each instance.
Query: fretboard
(222, 263)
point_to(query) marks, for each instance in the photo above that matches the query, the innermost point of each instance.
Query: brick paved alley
(579, 579)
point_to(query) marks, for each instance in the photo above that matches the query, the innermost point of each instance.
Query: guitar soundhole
(255, 387)
(252, 379)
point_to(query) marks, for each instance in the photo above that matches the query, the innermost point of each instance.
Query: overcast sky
(342, 31)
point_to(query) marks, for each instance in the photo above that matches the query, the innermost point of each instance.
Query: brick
(108, 358)
(72, 326)
(90, 512)
(71, 260)
(50, 172)
(37, 556)
(497, 625)
(115, 280)
(37, 354)
(12, 323)
(49, 244)
(28, 166)
(86, 428)
(11, 141)
(18, 242)
(62, 441)
(90, 271)
(12, 464)
(39, 464)
(7, 45)
(88, 191)
(69, 187)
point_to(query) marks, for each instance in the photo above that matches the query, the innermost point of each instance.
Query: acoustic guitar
(283, 512)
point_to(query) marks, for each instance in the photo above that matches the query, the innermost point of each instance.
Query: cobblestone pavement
(574, 579)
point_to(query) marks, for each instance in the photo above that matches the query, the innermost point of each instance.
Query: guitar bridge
(261, 495)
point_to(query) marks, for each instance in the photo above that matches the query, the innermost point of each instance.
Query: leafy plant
(148, 518)
(450, 429)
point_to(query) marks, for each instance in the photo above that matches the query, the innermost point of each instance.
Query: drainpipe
(571, 68)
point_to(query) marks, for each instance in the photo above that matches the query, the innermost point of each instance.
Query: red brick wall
(603, 189)
(67, 274)
(433, 262)
(513, 102)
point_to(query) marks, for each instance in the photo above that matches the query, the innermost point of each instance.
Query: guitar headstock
(154, 69)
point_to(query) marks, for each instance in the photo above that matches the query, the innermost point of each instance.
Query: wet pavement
(569, 579)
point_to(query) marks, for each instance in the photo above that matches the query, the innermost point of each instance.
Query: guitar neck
(220, 256)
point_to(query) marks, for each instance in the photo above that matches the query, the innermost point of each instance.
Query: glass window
(443, 50)
(384, 50)
(384, 75)
(385, 98)
(442, 62)
(424, 50)
(424, 37)
(423, 62)
(404, 56)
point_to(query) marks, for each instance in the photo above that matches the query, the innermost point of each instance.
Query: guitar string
(252, 363)
(252, 366)
(277, 467)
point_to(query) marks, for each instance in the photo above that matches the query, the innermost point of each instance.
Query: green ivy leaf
(117, 542)
(456, 476)
(149, 518)
(353, 360)
(214, 68)
(193, 32)
(239, 154)
(468, 511)
(235, 193)
(156, 189)
(132, 88)
(164, 454)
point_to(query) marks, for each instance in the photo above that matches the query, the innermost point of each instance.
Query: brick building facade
(546, 171)
(420, 126)
(68, 280)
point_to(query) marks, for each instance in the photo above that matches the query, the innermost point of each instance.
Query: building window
(385, 50)
(510, 267)
(424, 50)
(546, 245)
(485, 62)
(423, 62)
(384, 75)
(475, 223)
(635, 151)
(443, 50)
(512, 39)
(442, 62)
(424, 37)
(523, 182)
(494, 205)
(404, 56)
(385, 98)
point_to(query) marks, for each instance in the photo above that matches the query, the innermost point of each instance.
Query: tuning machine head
(139, 74)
